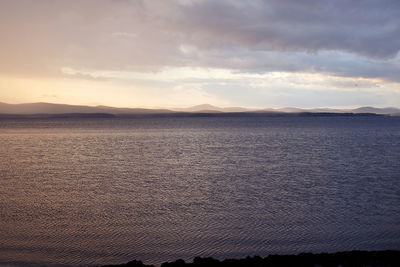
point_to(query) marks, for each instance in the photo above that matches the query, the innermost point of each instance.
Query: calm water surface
(102, 191)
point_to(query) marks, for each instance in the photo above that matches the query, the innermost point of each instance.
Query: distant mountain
(207, 108)
(329, 110)
(391, 111)
(290, 109)
(48, 108)
(373, 110)
(303, 110)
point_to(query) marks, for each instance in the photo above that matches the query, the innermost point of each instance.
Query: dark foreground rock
(351, 258)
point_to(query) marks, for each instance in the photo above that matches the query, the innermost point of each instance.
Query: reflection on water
(78, 192)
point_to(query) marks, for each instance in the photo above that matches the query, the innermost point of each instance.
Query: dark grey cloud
(366, 27)
(347, 38)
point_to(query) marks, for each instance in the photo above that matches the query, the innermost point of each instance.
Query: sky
(180, 53)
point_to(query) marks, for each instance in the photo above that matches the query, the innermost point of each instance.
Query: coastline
(344, 259)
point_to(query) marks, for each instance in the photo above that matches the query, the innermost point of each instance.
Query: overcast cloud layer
(350, 39)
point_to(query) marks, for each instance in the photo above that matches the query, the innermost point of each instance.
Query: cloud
(213, 49)
(148, 35)
(369, 28)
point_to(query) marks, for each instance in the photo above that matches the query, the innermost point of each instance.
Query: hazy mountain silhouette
(206, 108)
(288, 109)
(211, 108)
(326, 110)
(372, 110)
(49, 108)
(392, 111)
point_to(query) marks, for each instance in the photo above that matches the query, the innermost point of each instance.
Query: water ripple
(84, 192)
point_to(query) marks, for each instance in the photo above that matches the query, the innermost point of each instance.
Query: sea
(93, 191)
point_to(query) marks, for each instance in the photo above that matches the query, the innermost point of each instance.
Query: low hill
(49, 108)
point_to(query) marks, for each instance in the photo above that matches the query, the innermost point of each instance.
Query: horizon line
(172, 108)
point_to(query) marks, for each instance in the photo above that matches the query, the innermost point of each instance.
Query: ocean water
(104, 191)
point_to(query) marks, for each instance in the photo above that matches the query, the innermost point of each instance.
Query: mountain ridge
(53, 108)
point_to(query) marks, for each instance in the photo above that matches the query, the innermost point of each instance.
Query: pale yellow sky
(138, 53)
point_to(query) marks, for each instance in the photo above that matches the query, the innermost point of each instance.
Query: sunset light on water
(150, 131)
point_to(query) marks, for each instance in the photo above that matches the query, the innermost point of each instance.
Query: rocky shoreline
(344, 259)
